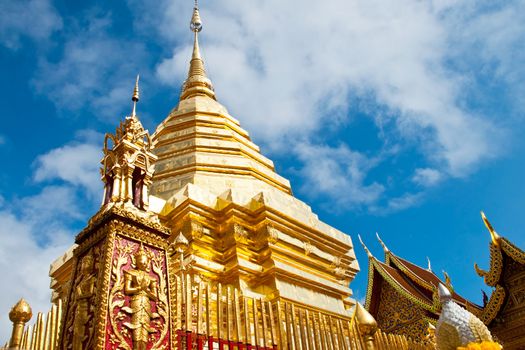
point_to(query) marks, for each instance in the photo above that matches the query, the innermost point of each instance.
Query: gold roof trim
(498, 247)
(490, 311)
(374, 264)
(415, 278)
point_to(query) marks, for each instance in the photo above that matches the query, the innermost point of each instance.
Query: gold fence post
(20, 313)
(367, 326)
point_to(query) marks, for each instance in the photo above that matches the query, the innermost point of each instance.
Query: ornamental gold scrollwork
(273, 234)
(308, 248)
(84, 291)
(240, 234)
(79, 325)
(492, 276)
(512, 251)
(398, 315)
(138, 298)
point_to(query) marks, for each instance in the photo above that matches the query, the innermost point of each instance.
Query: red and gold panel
(138, 305)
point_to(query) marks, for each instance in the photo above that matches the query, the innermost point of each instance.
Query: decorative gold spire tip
(197, 82)
(180, 243)
(135, 96)
(20, 312)
(493, 234)
(196, 23)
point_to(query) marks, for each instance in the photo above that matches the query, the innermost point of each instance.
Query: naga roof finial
(493, 234)
(448, 281)
(429, 267)
(364, 247)
(385, 248)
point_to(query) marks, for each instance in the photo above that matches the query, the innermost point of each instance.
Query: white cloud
(36, 19)
(284, 70)
(36, 229)
(492, 42)
(427, 176)
(288, 71)
(396, 204)
(339, 173)
(24, 262)
(76, 164)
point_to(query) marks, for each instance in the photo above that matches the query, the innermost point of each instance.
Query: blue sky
(403, 118)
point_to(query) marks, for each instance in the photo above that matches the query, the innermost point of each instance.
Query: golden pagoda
(244, 226)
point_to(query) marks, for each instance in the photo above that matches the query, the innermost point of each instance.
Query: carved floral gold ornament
(83, 294)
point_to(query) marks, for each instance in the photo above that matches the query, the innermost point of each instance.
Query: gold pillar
(19, 315)
(367, 326)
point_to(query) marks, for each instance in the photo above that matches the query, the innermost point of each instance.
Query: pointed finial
(20, 312)
(196, 23)
(429, 267)
(180, 243)
(493, 234)
(197, 82)
(366, 323)
(385, 248)
(364, 247)
(135, 97)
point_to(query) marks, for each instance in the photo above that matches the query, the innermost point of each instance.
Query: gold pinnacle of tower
(135, 97)
(197, 83)
(196, 23)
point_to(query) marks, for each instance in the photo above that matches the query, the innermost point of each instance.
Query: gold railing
(216, 316)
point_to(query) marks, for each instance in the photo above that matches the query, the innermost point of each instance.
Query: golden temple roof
(413, 282)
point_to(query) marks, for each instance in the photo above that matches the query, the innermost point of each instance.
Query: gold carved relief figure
(142, 287)
(84, 290)
(138, 299)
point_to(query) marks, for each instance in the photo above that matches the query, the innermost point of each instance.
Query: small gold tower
(119, 296)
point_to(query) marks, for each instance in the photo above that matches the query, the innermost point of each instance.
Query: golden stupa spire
(135, 97)
(197, 82)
